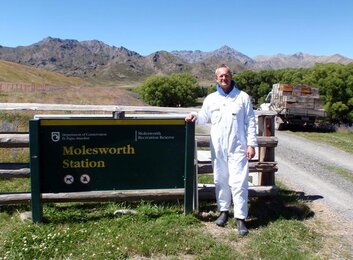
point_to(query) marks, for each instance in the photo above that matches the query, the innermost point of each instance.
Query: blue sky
(253, 27)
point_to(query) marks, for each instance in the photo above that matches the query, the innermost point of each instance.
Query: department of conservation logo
(55, 136)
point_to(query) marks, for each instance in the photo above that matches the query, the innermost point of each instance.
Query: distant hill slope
(100, 63)
(16, 73)
(297, 60)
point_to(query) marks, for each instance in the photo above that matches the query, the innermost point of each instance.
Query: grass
(154, 230)
(341, 139)
(57, 88)
(341, 172)
(8, 155)
(158, 230)
(78, 95)
(289, 234)
(14, 185)
(14, 121)
(13, 72)
(205, 178)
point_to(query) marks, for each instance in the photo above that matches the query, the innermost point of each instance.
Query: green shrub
(176, 90)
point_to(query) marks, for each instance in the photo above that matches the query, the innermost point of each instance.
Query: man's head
(224, 77)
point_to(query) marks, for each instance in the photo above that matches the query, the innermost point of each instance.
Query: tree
(336, 86)
(179, 89)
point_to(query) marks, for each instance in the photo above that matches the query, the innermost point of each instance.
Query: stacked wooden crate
(296, 96)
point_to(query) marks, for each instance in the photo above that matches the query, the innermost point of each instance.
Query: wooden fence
(262, 168)
(27, 87)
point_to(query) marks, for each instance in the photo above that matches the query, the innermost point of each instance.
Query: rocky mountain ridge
(98, 61)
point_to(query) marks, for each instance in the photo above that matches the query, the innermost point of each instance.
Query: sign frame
(38, 154)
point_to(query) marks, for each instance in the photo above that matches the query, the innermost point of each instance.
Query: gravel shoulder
(304, 166)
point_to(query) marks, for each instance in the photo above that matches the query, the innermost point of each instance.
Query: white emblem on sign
(69, 179)
(85, 178)
(55, 136)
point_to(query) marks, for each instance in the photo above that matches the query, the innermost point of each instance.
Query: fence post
(267, 154)
(189, 171)
(37, 210)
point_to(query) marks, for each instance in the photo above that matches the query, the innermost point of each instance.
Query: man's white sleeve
(251, 125)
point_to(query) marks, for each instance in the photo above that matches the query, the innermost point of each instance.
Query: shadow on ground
(286, 204)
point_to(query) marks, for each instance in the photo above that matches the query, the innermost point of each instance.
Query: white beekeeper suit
(233, 129)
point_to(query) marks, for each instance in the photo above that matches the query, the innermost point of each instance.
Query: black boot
(222, 219)
(241, 227)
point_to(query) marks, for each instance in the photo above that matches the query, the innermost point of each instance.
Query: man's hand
(250, 152)
(191, 117)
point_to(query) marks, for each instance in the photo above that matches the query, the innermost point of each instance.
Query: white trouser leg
(238, 181)
(221, 180)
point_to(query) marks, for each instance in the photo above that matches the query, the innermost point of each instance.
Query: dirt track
(306, 166)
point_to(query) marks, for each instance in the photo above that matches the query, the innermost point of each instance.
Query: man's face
(224, 78)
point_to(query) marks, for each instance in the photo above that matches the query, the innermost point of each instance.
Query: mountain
(162, 62)
(221, 53)
(71, 57)
(297, 60)
(100, 63)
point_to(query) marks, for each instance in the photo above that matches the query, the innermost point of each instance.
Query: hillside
(16, 73)
(39, 85)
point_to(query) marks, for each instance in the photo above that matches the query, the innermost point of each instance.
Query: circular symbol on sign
(69, 179)
(55, 136)
(85, 178)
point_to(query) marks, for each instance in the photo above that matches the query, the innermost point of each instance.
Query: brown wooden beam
(206, 192)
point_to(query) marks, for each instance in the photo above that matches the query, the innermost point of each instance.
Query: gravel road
(306, 166)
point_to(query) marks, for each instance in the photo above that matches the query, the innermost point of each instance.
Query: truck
(294, 105)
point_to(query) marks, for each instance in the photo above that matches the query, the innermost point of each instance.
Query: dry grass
(43, 86)
(16, 73)
(74, 95)
(337, 233)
